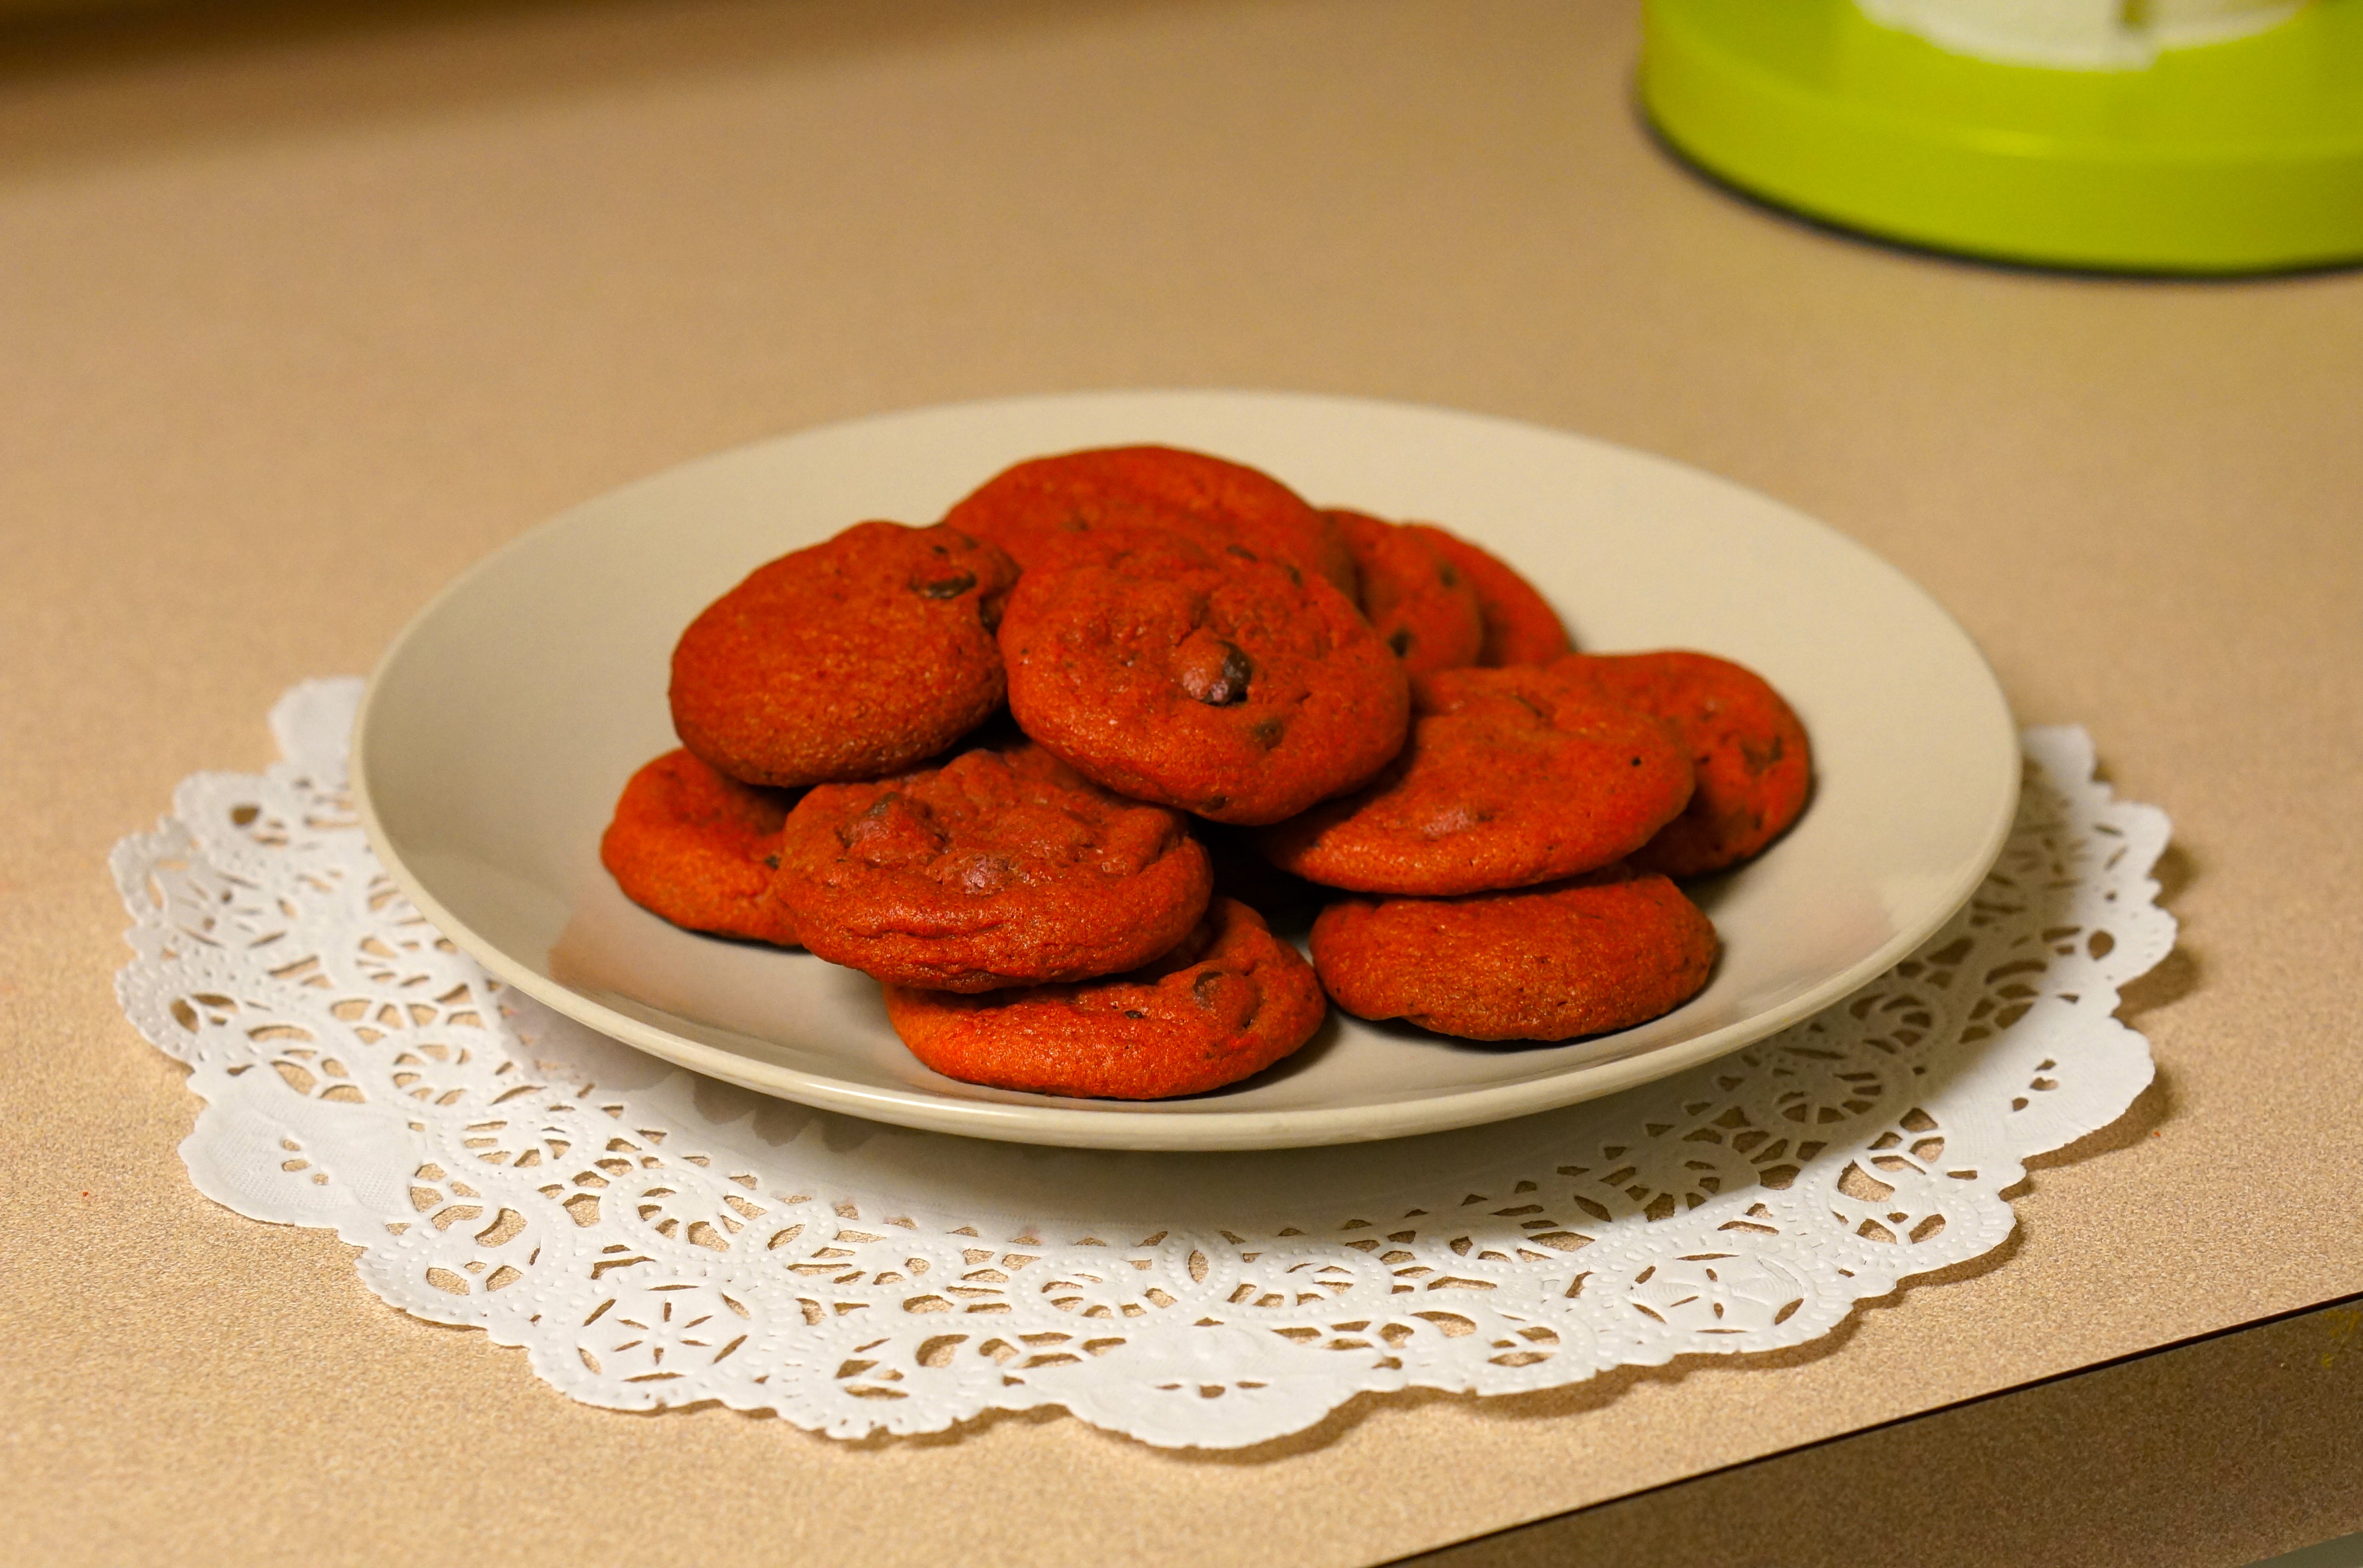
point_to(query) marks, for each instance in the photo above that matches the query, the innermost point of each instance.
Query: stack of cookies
(985, 762)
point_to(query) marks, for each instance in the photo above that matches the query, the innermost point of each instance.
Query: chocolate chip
(1201, 990)
(946, 587)
(1216, 674)
(869, 823)
(1400, 640)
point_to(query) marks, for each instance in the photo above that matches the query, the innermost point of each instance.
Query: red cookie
(847, 661)
(999, 869)
(1754, 765)
(1243, 693)
(1602, 952)
(1520, 625)
(698, 849)
(1084, 505)
(1416, 600)
(1229, 1002)
(1512, 776)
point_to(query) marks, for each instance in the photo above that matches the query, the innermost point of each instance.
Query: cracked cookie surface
(1520, 625)
(1606, 950)
(1084, 505)
(1228, 1002)
(1511, 777)
(1754, 765)
(1418, 601)
(1237, 690)
(699, 848)
(856, 656)
(999, 869)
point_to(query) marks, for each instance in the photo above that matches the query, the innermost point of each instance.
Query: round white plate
(501, 725)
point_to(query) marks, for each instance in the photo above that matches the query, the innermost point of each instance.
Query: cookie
(1753, 764)
(1229, 1002)
(699, 847)
(847, 660)
(1416, 600)
(1243, 693)
(1607, 951)
(1520, 625)
(999, 869)
(1080, 505)
(1511, 777)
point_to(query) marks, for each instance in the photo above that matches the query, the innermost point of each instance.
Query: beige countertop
(303, 312)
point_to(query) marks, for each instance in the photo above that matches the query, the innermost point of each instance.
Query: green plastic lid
(2237, 157)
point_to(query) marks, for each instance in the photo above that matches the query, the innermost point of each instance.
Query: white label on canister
(2078, 35)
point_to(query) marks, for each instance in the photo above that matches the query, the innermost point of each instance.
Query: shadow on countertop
(86, 81)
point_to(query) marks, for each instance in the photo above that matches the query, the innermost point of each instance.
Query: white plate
(500, 727)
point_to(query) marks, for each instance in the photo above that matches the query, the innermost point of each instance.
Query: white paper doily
(653, 1238)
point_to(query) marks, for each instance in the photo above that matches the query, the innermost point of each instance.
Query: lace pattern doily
(651, 1238)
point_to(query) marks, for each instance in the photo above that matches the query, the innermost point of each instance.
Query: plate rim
(1115, 1124)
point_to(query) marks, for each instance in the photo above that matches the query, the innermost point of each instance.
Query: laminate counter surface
(304, 311)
